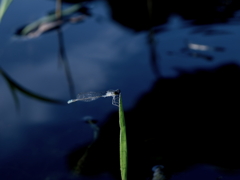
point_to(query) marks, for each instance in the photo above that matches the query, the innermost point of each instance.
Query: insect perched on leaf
(91, 96)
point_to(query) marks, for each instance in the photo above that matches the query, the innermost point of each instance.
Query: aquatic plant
(3, 7)
(123, 141)
(117, 101)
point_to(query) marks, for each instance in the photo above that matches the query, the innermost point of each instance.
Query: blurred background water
(126, 45)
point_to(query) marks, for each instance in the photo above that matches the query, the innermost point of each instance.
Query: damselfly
(91, 96)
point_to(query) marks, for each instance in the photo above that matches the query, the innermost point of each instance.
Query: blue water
(102, 54)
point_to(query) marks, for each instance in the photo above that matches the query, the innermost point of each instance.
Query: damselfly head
(117, 92)
(112, 92)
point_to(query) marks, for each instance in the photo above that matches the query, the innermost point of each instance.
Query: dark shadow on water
(134, 13)
(181, 122)
(154, 56)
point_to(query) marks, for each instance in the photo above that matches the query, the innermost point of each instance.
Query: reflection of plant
(50, 22)
(3, 7)
(14, 87)
(54, 21)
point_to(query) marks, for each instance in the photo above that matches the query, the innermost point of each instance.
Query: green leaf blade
(123, 141)
(3, 7)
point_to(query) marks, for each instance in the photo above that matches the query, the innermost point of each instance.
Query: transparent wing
(90, 96)
(87, 97)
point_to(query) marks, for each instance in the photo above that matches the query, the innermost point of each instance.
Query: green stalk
(123, 141)
(3, 7)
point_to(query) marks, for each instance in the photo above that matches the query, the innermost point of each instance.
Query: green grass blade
(123, 141)
(3, 7)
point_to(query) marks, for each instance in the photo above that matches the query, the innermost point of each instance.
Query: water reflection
(54, 21)
(154, 56)
(14, 87)
(209, 31)
(199, 50)
(175, 124)
(63, 59)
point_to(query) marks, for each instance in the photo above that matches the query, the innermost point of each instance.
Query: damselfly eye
(117, 92)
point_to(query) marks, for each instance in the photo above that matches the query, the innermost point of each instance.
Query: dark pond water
(176, 64)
